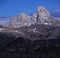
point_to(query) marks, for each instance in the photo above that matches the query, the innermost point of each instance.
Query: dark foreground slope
(25, 48)
(37, 42)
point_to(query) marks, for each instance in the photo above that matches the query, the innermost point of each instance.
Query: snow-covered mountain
(42, 16)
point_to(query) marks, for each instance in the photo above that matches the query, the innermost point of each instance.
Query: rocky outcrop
(13, 22)
(20, 21)
(34, 32)
(24, 20)
(44, 16)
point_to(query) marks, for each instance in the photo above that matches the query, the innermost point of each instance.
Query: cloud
(3, 22)
(57, 10)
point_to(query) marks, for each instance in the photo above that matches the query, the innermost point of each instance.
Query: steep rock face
(13, 22)
(24, 20)
(20, 21)
(42, 16)
(34, 18)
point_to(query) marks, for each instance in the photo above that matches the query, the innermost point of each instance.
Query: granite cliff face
(20, 21)
(42, 16)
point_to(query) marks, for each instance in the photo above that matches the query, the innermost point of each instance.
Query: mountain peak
(43, 11)
(41, 8)
(41, 17)
(22, 14)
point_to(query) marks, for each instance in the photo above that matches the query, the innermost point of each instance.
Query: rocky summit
(42, 16)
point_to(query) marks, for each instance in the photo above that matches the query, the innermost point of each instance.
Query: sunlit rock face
(34, 18)
(13, 22)
(44, 16)
(20, 21)
(42, 12)
(24, 20)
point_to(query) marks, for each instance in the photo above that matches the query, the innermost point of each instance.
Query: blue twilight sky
(15, 7)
